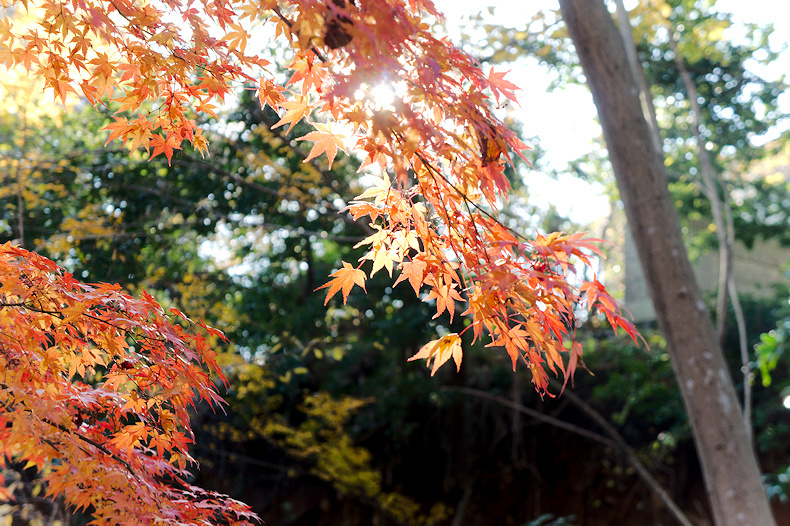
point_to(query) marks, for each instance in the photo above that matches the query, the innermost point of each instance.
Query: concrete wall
(757, 272)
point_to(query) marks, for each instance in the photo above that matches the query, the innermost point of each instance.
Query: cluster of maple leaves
(95, 390)
(439, 151)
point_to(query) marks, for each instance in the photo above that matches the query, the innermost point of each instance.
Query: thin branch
(725, 231)
(740, 322)
(616, 441)
(708, 173)
(640, 468)
(282, 17)
(648, 109)
(537, 415)
(95, 444)
(466, 199)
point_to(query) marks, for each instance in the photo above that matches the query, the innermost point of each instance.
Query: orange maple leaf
(119, 128)
(325, 141)
(237, 38)
(296, 110)
(344, 279)
(166, 146)
(414, 271)
(445, 295)
(270, 93)
(439, 351)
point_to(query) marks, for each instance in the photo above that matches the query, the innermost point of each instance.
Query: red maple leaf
(500, 86)
(166, 146)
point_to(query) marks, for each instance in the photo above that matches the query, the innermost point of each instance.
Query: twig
(616, 441)
(92, 442)
(640, 468)
(725, 232)
(537, 415)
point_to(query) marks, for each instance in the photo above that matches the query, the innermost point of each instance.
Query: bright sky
(564, 121)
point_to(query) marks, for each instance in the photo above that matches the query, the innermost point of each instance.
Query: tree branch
(615, 442)
(623, 446)
(725, 233)
(92, 442)
(537, 415)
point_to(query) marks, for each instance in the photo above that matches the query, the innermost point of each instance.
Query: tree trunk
(729, 466)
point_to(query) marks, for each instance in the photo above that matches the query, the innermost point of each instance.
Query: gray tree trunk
(729, 466)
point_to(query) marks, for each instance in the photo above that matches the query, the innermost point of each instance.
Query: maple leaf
(344, 279)
(138, 134)
(414, 271)
(270, 93)
(446, 295)
(553, 357)
(166, 146)
(500, 86)
(382, 257)
(119, 128)
(237, 38)
(306, 71)
(439, 351)
(573, 362)
(296, 110)
(380, 190)
(325, 141)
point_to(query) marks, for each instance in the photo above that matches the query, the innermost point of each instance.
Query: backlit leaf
(344, 280)
(441, 350)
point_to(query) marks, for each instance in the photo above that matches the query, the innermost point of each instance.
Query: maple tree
(96, 388)
(439, 135)
(436, 145)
